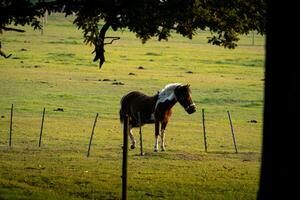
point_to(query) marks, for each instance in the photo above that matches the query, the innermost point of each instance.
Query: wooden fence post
(204, 130)
(125, 158)
(42, 126)
(91, 138)
(141, 135)
(232, 132)
(11, 123)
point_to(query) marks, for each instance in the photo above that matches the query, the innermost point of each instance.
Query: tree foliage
(147, 18)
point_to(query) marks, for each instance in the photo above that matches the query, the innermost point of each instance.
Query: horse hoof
(163, 150)
(155, 150)
(132, 147)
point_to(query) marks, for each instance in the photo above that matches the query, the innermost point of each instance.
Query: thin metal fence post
(232, 132)
(204, 130)
(11, 124)
(92, 134)
(42, 126)
(141, 134)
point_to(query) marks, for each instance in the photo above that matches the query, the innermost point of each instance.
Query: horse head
(184, 97)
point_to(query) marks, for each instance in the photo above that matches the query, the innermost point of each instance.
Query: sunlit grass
(55, 70)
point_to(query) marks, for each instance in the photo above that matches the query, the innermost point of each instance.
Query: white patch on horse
(156, 143)
(152, 117)
(167, 93)
(133, 142)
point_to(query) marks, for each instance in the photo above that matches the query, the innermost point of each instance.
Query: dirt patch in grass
(187, 156)
(173, 156)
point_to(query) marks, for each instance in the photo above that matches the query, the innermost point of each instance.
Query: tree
(147, 18)
(280, 167)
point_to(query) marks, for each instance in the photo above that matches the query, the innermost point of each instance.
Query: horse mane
(167, 93)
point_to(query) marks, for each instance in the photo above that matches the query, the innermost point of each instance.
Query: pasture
(55, 70)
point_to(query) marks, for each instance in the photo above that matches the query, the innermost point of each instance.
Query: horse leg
(162, 135)
(156, 135)
(131, 138)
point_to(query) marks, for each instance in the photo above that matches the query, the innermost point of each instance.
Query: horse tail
(122, 110)
(121, 116)
(125, 106)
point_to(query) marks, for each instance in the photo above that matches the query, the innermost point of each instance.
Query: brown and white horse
(155, 109)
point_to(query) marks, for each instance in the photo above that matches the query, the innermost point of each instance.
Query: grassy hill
(55, 70)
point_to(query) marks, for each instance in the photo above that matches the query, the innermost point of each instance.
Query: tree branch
(11, 29)
(113, 39)
(3, 54)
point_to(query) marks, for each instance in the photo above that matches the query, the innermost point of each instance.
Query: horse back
(135, 102)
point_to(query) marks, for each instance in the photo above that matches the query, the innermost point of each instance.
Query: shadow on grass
(199, 156)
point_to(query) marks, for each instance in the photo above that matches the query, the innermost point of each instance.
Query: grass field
(55, 70)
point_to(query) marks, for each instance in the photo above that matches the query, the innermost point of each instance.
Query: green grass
(55, 70)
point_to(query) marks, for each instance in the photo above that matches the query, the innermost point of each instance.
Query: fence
(125, 140)
(203, 123)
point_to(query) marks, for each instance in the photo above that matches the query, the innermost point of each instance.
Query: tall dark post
(125, 158)
(232, 132)
(42, 126)
(11, 125)
(92, 134)
(204, 131)
(141, 135)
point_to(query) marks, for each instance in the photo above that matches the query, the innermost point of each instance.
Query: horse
(156, 109)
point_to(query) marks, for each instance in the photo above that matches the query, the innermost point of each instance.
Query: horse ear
(187, 85)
